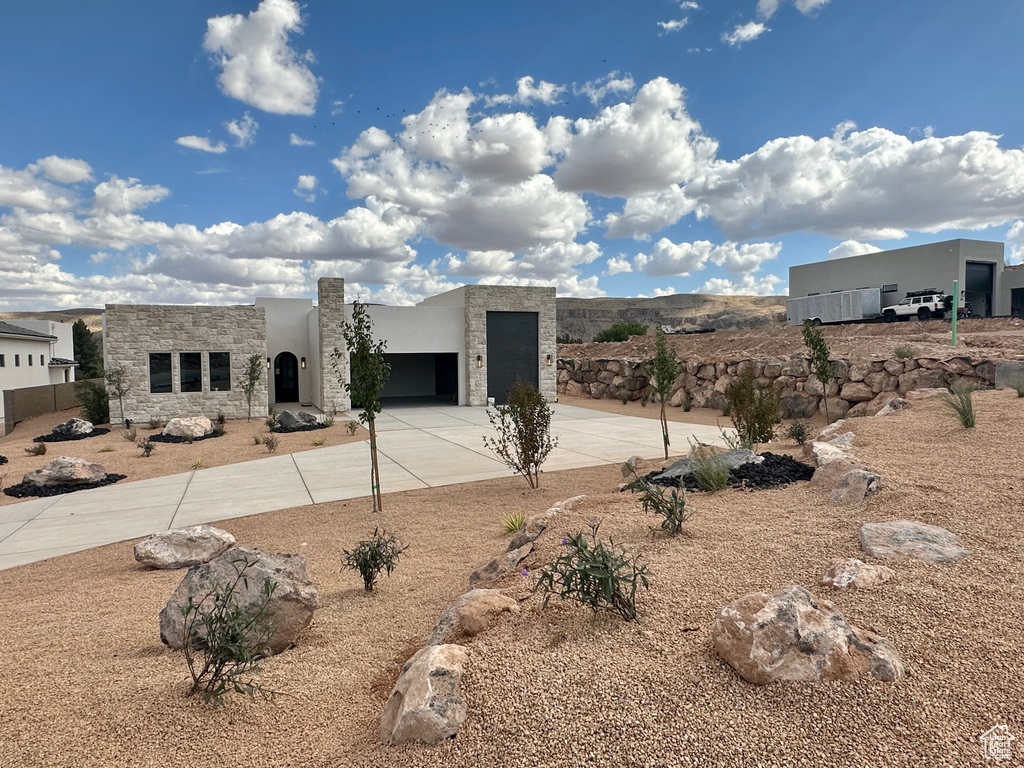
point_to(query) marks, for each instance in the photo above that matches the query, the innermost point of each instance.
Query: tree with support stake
(250, 381)
(663, 370)
(118, 384)
(368, 374)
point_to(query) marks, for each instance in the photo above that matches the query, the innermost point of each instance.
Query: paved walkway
(419, 447)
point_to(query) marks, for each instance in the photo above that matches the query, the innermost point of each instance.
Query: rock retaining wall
(858, 388)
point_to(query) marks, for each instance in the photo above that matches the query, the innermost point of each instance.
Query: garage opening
(1017, 302)
(979, 286)
(419, 378)
(512, 351)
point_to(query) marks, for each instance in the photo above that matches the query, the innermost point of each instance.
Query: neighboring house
(34, 353)
(977, 265)
(460, 347)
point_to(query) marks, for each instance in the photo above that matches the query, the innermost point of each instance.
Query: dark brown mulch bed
(25, 490)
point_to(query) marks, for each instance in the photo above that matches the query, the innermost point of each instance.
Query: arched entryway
(286, 378)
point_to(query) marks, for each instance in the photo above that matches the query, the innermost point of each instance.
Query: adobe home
(459, 347)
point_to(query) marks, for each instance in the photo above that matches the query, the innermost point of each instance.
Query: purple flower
(565, 541)
(524, 572)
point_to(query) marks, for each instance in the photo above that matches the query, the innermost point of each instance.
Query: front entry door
(286, 378)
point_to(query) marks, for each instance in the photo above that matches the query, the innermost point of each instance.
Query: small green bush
(38, 449)
(94, 400)
(1019, 389)
(754, 410)
(352, 426)
(710, 471)
(621, 332)
(131, 434)
(668, 504)
(156, 424)
(379, 553)
(328, 420)
(798, 432)
(270, 442)
(594, 574)
(960, 402)
(319, 441)
(567, 339)
(146, 446)
(513, 521)
(523, 428)
(904, 352)
(225, 640)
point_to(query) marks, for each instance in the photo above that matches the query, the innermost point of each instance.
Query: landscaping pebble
(851, 572)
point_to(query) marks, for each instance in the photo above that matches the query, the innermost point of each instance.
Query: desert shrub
(327, 420)
(270, 442)
(821, 363)
(156, 424)
(371, 557)
(352, 426)
(960, 402)
(594, 574)
(624, 396)
(523, 429)
(687, 402)
(667, 503)
(319, 441)
(221, 419)
(131, 434)
(567, 339)
(218, 431)
(145, 445)
(271, 422)
(1019, 389)
(39, 449)
(754, 410)
(621, 332)
(904, 352)
(224, 640)
(104, 449)
(797, 431)
(257, 440)
(94, 400)
(198, 464)
(513, 521)
(710, 471)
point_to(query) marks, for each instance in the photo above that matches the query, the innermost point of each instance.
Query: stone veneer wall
(131, 332)
(858, 388)
(481, 299)
(330, 318)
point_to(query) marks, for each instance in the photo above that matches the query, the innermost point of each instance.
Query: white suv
(924, 305)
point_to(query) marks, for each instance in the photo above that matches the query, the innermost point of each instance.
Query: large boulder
(828, 475)
(909, 538)
(67, 470)
(791, 636)
(183, 548)
(72, 429)
(189, 426)
(826, 453)
(426, 703)
(895, 405)
(471, 613)
(853, 487)
(300, 420)
(732, 459)
(798, 405)
(852, 572)
(290, 608)
(506, 562)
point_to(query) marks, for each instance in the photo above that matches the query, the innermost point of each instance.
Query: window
(159, 372)
(3, 361)
(17, 361)
(29, 359)
(41, 360)
(890, 288)
(220, 371)
(813, 293)
(190, 371)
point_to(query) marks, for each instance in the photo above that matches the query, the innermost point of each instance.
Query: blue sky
(211, 152)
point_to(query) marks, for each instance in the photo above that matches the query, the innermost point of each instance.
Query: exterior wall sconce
(268, 363)
(303, 363)
(479, 361)
(549, 361)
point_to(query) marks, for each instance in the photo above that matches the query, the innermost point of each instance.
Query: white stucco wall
(288, 331)
(23, 375)
(63, 348)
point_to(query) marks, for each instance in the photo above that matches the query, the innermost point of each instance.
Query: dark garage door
(512, 350)
(979, 286)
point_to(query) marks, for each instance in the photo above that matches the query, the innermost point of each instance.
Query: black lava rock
(3, 460)
(774, 472)
(52, 438)
(24, 490)
(303, 428)
(178, 439)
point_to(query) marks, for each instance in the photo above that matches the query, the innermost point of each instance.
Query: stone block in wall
(798, 405)
(706, 372)
(693, 366)
(723, 383)
(563, 376)
(617, 381)
(859, 370)
(923, 378)
(613, 366)
(574, 389)
(881, 381)
(721, 369)
(797, 366)
(758, 368)
(812, 386)
(678, 398)
(785, 383)
(929, 363)
(763, 382)
(597, 389)
(635, 383)
(895, 367)
(961, 366)
(732, 369)
(605, 377)
(701, 396)
(837, 408)
(589, 377)
(773, 368)
(857, 392)
(910, 365)
(986, 370)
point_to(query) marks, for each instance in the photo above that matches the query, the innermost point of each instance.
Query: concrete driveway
(419, 447)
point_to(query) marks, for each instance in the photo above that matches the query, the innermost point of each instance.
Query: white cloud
(305, 188)
(870, 184)
(636, 149)
(120, 196)
(689, 5)
(807, 7)
(673, 25)
(744, 33)
(65, 170)
(767, 8)
(201, 143)
(243, 130)
(642, 215)
(544, 263)
(297, 141)
(259, 67)
(599, 89)
(851, 248)
(681, 259)
(1015, 242)
(747, 285)
(618, 265)
(544, 92)
(23, 189)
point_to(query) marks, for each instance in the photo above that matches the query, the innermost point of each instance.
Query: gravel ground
(87, 683)
(119, 456)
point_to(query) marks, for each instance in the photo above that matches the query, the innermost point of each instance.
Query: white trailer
(838, 307)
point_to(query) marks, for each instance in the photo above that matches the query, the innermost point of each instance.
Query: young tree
(368, 374)
(87, 352)
(662, 371)
(524, 432)
(821, 365)
(117, 382)
(250, 381)
(621, 332)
